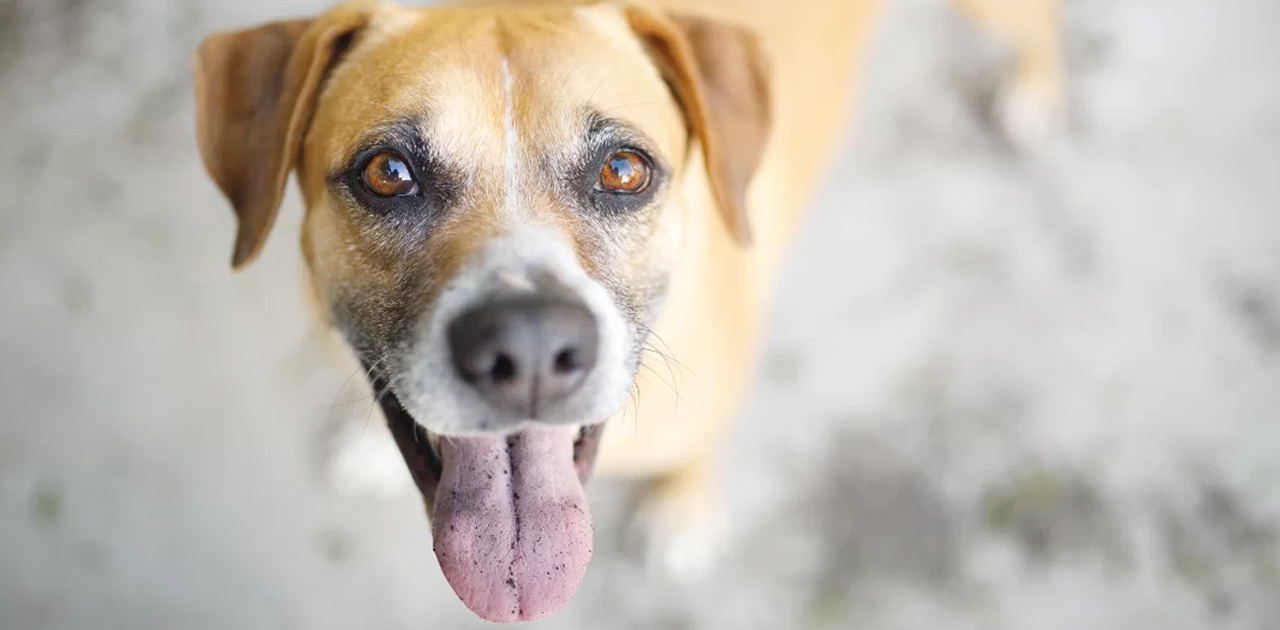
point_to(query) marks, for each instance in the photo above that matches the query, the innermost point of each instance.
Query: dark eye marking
(396, 174)
(616, 172)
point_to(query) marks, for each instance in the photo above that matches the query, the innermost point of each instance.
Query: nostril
(567, 362)
(503, 370)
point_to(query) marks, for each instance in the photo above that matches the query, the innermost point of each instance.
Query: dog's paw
(679, 536)
(365, 462)
(1031, 114)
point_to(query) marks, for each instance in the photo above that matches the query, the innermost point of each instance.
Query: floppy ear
(720, 78)
(255, 90)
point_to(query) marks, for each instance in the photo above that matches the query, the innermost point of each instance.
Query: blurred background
(1007, 386)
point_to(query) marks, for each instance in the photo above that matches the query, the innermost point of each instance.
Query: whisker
(666, 360)
(618, 107)
(668, 353)
(601, 84)
(367, 372)
(634, 395)
(680, 399)
(378, 392)
(635, 424)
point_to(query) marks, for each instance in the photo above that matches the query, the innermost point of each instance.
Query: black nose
(526, 353)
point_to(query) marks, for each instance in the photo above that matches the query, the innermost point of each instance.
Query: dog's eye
(388, 175)
(625, 172)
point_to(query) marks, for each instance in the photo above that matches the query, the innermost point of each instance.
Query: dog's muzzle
(498, 407)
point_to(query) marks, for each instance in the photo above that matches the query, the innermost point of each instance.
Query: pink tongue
(511, 526)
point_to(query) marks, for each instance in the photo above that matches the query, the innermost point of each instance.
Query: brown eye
(624, 172)
(388, 175)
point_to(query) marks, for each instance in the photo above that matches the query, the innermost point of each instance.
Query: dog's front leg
(680, 522)
(1032, 102)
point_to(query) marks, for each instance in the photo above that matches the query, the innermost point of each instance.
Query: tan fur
(762, 88)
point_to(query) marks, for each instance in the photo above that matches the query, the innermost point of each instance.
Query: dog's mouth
(510, 523)
(421, 448)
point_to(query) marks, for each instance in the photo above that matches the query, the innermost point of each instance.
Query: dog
(513, 209)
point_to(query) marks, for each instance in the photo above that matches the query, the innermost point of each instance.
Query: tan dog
(510, 207)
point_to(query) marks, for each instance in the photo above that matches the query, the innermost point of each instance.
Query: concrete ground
(1003, 388)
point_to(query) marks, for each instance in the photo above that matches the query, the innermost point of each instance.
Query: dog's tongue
(511, 526)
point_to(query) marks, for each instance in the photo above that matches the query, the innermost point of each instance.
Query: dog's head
(496, 199)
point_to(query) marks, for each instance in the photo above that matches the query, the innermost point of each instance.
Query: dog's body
(626, 178)
(815, 50)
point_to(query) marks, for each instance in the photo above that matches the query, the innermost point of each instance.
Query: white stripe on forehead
(510, 145)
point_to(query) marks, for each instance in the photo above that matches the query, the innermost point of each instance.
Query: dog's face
(456, 163)
(496, 200)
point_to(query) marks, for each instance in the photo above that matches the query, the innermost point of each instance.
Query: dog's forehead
(470, 74)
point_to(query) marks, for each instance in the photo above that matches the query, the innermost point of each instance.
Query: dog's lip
(420, 447)
(422, 460)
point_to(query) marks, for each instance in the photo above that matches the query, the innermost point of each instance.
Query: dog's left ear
(255, 90)
(720, 78)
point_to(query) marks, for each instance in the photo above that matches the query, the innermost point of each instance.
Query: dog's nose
(525, 353)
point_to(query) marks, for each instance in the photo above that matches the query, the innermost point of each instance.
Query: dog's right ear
(255, 91)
